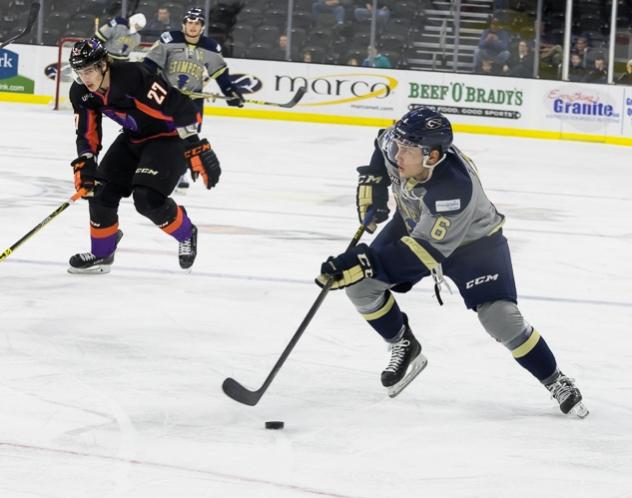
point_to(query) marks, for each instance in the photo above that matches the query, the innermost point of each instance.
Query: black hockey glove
(235, 98)
(202, 161)
(346, 269)
(372, 191)
(85, 170)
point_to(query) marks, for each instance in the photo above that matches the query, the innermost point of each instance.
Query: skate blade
(579, 410)
(95, 270)
(416, 367)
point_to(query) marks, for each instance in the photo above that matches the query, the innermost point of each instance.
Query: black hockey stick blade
(238, 392)
(296, 99)
(35, 8)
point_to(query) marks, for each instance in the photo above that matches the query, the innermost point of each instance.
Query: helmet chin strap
(107, 68)
(430, 167)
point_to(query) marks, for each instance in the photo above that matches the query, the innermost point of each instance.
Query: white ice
(110, 385)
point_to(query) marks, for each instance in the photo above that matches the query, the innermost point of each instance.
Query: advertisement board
(375, 97)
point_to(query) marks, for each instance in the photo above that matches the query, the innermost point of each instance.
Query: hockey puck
(274, 424)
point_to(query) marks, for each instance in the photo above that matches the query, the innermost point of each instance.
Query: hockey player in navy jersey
(188, 59)
(444, 224)
(159, 139)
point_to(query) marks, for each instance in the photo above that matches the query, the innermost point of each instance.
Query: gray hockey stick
(287, 105)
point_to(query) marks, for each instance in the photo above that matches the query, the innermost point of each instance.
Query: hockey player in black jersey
(444, 224)
(158, 140)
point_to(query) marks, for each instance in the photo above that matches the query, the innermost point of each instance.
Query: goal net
(65, 76)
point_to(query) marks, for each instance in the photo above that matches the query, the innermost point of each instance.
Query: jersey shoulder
(128, 75)
(79, 95)
(118, 21)
(449, 191)
(208, 43)
(172, 37)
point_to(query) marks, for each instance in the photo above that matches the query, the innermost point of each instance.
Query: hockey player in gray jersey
(444, 224)
(188, 59)
(120, 36)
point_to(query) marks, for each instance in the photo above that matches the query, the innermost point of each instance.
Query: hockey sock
(535, 356)
(388, 320)
(180, 227)
(103, 240)
(164, 212)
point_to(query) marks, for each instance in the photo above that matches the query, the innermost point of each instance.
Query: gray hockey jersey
(187, 66)
(446, 212)
(117, 39)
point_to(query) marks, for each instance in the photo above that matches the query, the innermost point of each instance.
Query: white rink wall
(374, 97)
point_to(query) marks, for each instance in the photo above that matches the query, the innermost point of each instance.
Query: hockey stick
(237, 391)
(48, 219)
(287, 105)
(35, 7)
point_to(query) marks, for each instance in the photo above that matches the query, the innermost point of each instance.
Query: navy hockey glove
(85, 170)
(346, 269)
(235, 98)
(372, 191)
(202, 161)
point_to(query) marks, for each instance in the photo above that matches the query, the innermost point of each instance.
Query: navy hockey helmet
(86, 53)
(194, 14)
(425, 128)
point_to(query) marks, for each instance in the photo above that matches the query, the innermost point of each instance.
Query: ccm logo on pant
(146, 171)
(481, 280)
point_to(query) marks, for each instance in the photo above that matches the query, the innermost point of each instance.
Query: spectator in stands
(582, 47)
(352, 61)
(307, 56)
(364, 12)
(280, 51)
(550, 50)
(120, 36)
(598, 74)
(520, 64)
(493, 45)
(626, 78)
(160, 24)
(329, 7)
(375, 59)
(576, 70)
(488, 68)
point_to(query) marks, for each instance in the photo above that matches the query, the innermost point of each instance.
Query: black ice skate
(89, 264)
(568, 396)
(188, 249)
(407, 361)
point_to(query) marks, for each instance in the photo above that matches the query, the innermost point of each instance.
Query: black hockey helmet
(194, 14)
(87, 52)
(425, 128)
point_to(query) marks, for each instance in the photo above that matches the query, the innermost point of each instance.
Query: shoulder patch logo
(166, 37)
(449, 205)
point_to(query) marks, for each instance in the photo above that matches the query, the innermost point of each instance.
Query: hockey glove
(346, 269)
(372, 191)
(235, 98)
(202, 161)
(85, 170)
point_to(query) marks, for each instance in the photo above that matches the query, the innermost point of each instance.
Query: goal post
(64, 77)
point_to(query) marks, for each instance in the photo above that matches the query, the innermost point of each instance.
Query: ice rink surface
(110, 385)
